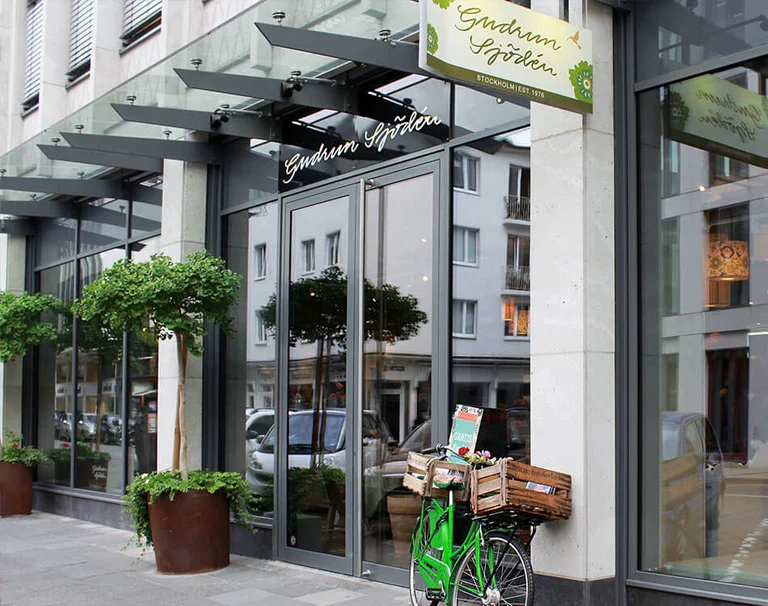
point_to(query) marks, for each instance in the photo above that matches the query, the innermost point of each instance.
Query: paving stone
(330, 597)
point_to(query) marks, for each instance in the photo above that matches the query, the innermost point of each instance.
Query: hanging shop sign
(507, 47)
(719, 116)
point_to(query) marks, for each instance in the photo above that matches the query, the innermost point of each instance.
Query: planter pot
(190, 533)
(15, 489)
(404, 511)
(92, 475)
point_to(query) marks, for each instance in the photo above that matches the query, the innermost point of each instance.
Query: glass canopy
(235, 47)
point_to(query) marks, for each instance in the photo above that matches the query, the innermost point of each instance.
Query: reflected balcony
(517, 277)
(517, 208)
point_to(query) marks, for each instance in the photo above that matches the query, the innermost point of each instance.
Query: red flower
(463, 450)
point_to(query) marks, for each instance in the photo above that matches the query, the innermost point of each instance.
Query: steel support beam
(86, 188)
(17, 227)
(313, 94)
(116, 160)
(37, 208)
(239, 125)
(187, 151)
(399, 56)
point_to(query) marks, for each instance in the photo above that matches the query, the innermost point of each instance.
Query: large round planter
(404, 511)
(190, 533)
(15, 489)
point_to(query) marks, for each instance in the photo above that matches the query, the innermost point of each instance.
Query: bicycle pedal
(435, 595)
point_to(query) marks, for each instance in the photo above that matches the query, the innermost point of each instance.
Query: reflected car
(332, 451)
(64, 429)
(59, 418)
(86, 425)
(257, 425)
(111, 429)
(693, 485)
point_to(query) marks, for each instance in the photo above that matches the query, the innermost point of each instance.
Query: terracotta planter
(190, 533)
(15, 489)
(404, 511)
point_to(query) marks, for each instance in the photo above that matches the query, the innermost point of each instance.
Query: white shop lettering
(383, 132)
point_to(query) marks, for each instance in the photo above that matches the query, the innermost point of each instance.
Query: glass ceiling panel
(236, 47)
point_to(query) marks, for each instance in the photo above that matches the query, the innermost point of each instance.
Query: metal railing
(517, 277)
(518, 207)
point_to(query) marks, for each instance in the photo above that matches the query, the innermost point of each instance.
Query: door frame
(356, 187)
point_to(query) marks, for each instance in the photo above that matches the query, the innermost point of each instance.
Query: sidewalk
(48, 560)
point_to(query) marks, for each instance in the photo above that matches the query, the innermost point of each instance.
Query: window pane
(458, 171)
(471, 246)
(499, 218)
(471, 167)
(103, 224)
(458, 244)
(703, 302)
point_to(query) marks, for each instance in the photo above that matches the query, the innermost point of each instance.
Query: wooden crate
(420, 474)
(502, 487)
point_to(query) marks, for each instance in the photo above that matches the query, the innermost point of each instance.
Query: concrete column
(53, 94)
(105, 58)
(6, 46)
(12, 262)
(572, 303)
(183, 218)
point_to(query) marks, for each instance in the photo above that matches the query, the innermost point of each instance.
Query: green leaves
(20, 323)
(172, 298)
(13, 452)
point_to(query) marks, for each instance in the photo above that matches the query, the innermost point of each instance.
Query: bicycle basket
(421, 475)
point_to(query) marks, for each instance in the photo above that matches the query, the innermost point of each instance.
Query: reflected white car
(332, 450)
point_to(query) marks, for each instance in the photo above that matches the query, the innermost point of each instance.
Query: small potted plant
(184, 515)
(16, 465)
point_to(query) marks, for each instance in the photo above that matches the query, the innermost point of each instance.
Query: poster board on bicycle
(466, 426)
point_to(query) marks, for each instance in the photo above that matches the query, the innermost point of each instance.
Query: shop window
(723, 169)
(464, 318)
(332, 249)
(465, 172)
(465, 241)
(670, 276)
(727, 257)
(260, 262)
(308, 256)
(515, 315)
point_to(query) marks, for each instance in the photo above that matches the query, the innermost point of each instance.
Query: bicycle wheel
(417, 586)
(511, 569)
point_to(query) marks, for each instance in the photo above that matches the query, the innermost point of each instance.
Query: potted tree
(20, 328)
(184, 515)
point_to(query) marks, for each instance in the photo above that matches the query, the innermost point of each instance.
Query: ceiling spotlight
(196, 63)
(278, 16)
(499, 100)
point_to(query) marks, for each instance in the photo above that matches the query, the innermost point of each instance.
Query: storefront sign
(376, 138)
(466, 425)
(718, 116)
(507, 47)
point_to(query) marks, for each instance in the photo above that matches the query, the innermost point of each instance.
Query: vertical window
(139, 18)
(33, 62)
(515, 317)
(260, 262)
(80, 38)
(464, 318)
(333, 248)
(465, 172)
(465, 245)
(259, 329)
(519, 193)
(308, 256)
(727, 262)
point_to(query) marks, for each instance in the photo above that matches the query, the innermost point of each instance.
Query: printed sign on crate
(466, 425)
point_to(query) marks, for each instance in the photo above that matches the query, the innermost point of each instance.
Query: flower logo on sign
(678, 111)
(431, 40)
(443, 3)
(581, 79)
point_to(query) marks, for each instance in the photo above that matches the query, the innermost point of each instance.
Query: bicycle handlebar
(441, 450)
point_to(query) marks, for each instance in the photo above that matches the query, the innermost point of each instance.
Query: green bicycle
(490, 567)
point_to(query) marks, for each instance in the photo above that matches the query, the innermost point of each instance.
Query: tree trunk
(99, 400)
(181, 437)
(317, 401)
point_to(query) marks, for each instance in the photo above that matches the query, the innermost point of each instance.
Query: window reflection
(704, 278)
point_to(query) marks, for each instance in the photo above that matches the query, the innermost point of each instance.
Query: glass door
(399, 230)
(319, 417)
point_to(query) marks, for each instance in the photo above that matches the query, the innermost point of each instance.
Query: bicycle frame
(437, 573)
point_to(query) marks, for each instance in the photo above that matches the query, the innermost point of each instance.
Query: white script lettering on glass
(377, 138)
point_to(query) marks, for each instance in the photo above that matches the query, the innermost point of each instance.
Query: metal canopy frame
(85, 188)
(17, 227)
(38, 208)
(390, 54)
(187, 151)
(239, 125)
(319, 95)
(100, 158)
